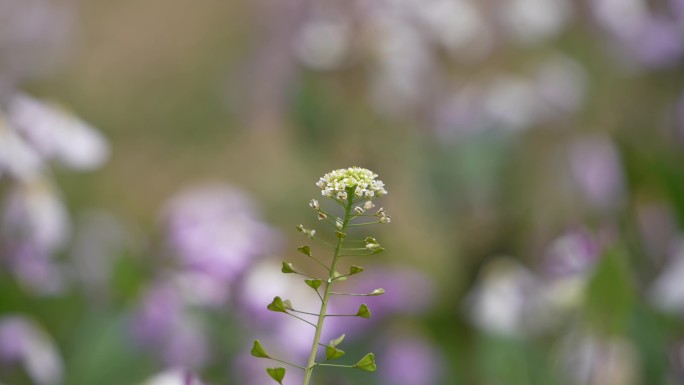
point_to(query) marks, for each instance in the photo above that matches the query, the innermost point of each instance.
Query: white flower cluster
(361, 181)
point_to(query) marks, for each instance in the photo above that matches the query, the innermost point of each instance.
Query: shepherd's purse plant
(354, 189)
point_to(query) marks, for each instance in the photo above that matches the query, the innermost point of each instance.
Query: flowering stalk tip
(354, 189)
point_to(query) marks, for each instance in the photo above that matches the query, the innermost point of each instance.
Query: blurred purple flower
(23, 341)
(164, 323)
(215, 230)
(677, 7)
(409, 360)
(215, 234)
(658, 226)
(250, 371)
(35, 225)
(597, 169)
(650, 39)
(573, 253)
(35, 269)
(34, 37)
(676, 356)
(408, 293)
(621, 18)
(460, 115)
(657, 43)
(679, 118)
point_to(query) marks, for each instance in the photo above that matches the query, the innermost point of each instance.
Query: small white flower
(368, 205)
(338, 183)
(385, 219)
(314, 204)
(321, 216)
(342, 195)
(339, 223)
(359, 210)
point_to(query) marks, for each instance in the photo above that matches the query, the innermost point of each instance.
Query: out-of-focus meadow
(156, 155)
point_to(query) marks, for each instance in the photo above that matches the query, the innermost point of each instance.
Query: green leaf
(258, 350)
(313, 283)
(333, 353)
(306, 250)
(370, 240)
(367, 363)
(378, 251)
(288, 268)
(337, 341)
(353, 269)
(338, 277)
(364, 311)
(277, 374)
(278, 305)
(377, 292)
(610, 293)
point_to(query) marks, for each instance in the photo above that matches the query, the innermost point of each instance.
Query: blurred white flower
(100, 237)
(620, 17)
(17, 158)
(287, 335)
(508, 300)
(24, 342)
(512, 103)
(533, 21)
(458, 25)
(33, 212)
(595, 360)
(322, 43)
(561, 83)
(56, 134)
(403, 68)
(174, 376)
(667, 290)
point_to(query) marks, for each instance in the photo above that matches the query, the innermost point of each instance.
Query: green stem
(328, 288)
